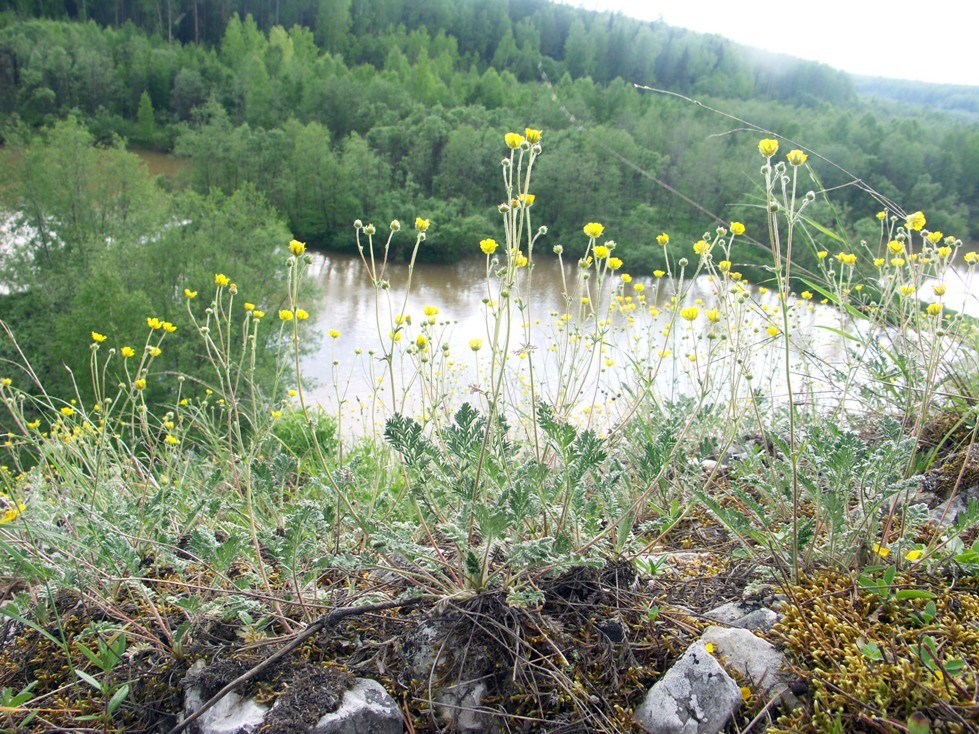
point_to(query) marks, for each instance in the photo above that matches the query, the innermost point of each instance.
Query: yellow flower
(915, 221)
(745, 694)
(897, 261)
(601, 252)
(296, 247)
(519, 259)
(639, 287)
(292, 391)
(768, 147)
(334, 333)
(67, 411)
(7, 382)
(475, 344)
(914, 555)
(659, 273)
(155, 351)
(171, 439)
(422, 341)
(701, 246)
(939, 290)
(594, 229)
(807, 295)
(189, 293)
(221, 280)
(710, 647)
(626, 278)
(663, 238)
(168, 327)
(488, 246)
(128, 352)
(796, 157)
(34, 423)
(249, 306)
(614, 263)
(302, 314)
(422, 224)
(13, 510)
(713, 315)
(276, 413)
(527, 199)
(154, 323)
(934, 309)
(513, 140)
(934, 237)
(431, 310)
(971, 257)
(882, 214)
(895, 246)
(881, 550)
(285, 314)
(944, 251)
(97, 337)
(690, 313)
(847, 258)
(879, 262)
(772, 330)
(906, 290)
(533, 136)
(737, 228)
(139, 384)
(258, 314)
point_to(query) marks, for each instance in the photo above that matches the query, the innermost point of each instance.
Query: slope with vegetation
(172, 496)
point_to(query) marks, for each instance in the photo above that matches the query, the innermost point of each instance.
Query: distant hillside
(954, 98)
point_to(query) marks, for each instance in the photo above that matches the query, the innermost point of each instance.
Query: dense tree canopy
(338, 109)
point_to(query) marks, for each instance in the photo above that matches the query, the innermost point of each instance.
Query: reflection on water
(160, 164)
(641, 336)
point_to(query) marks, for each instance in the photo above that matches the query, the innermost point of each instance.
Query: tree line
(295, 118)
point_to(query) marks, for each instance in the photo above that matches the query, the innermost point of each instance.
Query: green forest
(301, 116)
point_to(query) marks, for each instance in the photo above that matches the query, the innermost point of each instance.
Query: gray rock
(755, 659)
(728, 613)
(695, 696)
(761, 619)
(430, 652)
(230, 715)
(744, 615)
(365, 709)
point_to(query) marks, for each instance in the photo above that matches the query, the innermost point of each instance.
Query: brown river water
(643, 341)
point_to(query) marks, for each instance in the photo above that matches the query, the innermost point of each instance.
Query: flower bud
(395, 225)
(358, 224)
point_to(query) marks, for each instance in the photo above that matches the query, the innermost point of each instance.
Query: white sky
(931, 41)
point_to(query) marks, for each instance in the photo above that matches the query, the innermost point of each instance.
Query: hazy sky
(931, 41)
